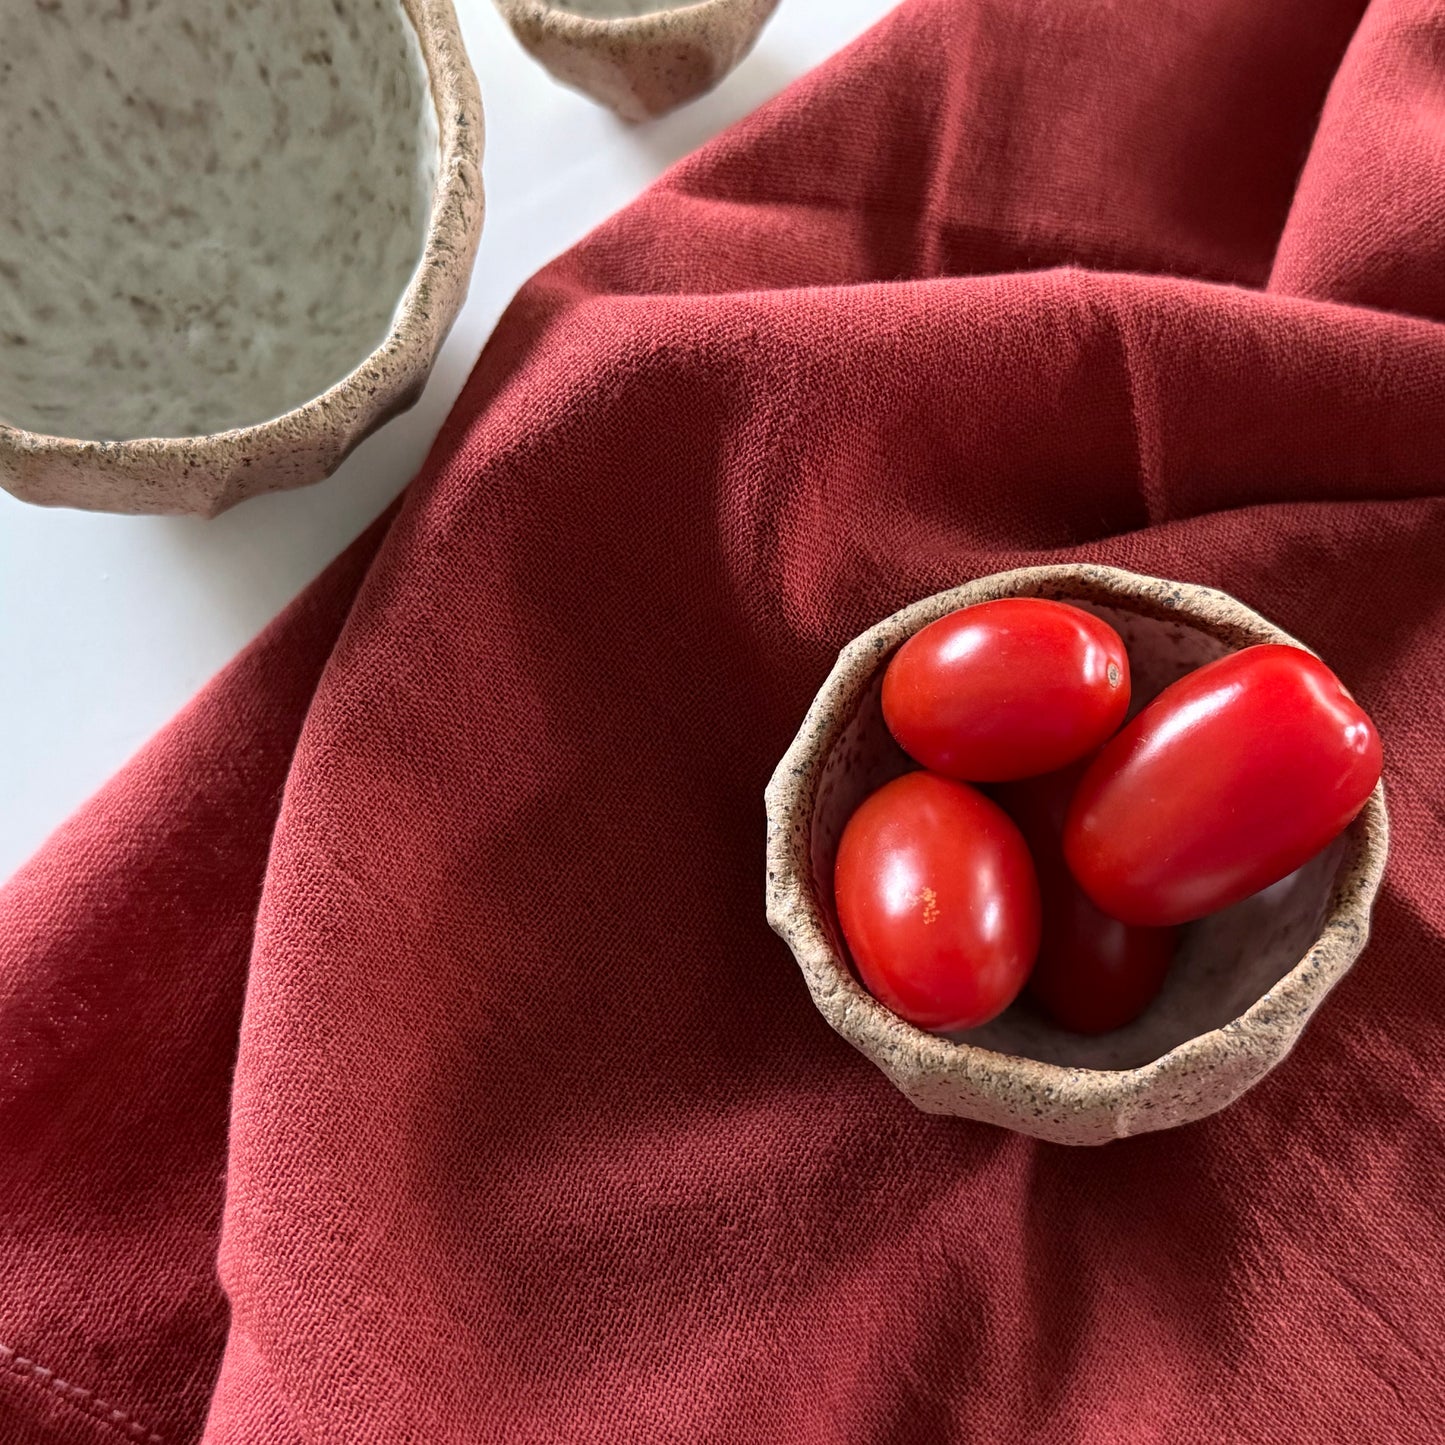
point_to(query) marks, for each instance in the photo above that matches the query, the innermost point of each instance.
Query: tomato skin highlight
(1006, 689)
(1093, 973)
(937, 898)
(1227, 782)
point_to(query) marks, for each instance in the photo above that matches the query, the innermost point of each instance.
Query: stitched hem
(87, 1402)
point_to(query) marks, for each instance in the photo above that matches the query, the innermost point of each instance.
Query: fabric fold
(397, 1051)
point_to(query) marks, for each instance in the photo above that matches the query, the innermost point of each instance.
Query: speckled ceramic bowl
(640, 57)
(235, 238)
(1242, 987)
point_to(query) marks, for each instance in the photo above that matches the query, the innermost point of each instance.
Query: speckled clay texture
(209, 217)
(1245, 981)
(236, 237)
(639, 57)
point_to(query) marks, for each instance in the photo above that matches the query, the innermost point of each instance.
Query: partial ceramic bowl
(641, 58)
(235, 240)
(1243, 985)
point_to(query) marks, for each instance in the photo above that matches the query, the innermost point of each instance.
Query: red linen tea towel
(396, 1050)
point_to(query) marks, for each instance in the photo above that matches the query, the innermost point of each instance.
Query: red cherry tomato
(938, 901)
(1007, 689)
(1227, 782)
(1093, 972)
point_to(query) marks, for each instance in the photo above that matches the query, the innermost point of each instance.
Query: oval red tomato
(1007, 689)
(937, 898)
(1227, 782)
(1093, 973)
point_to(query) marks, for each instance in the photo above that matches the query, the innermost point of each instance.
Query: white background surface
(108, 624)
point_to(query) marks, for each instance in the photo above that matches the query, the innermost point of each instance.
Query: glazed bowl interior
(1225, 962)
(211, 211)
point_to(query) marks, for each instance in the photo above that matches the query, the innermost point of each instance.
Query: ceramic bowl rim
(592, 26)
(456, 98)
(794, 913)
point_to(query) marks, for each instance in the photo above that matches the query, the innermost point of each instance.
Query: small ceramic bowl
(1242, 987)
(236, 237)
(640, 57)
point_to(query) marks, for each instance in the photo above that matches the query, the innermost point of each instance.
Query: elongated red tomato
(938, 901)
(1227, 782)
(1007, 689)
(1093, 973)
